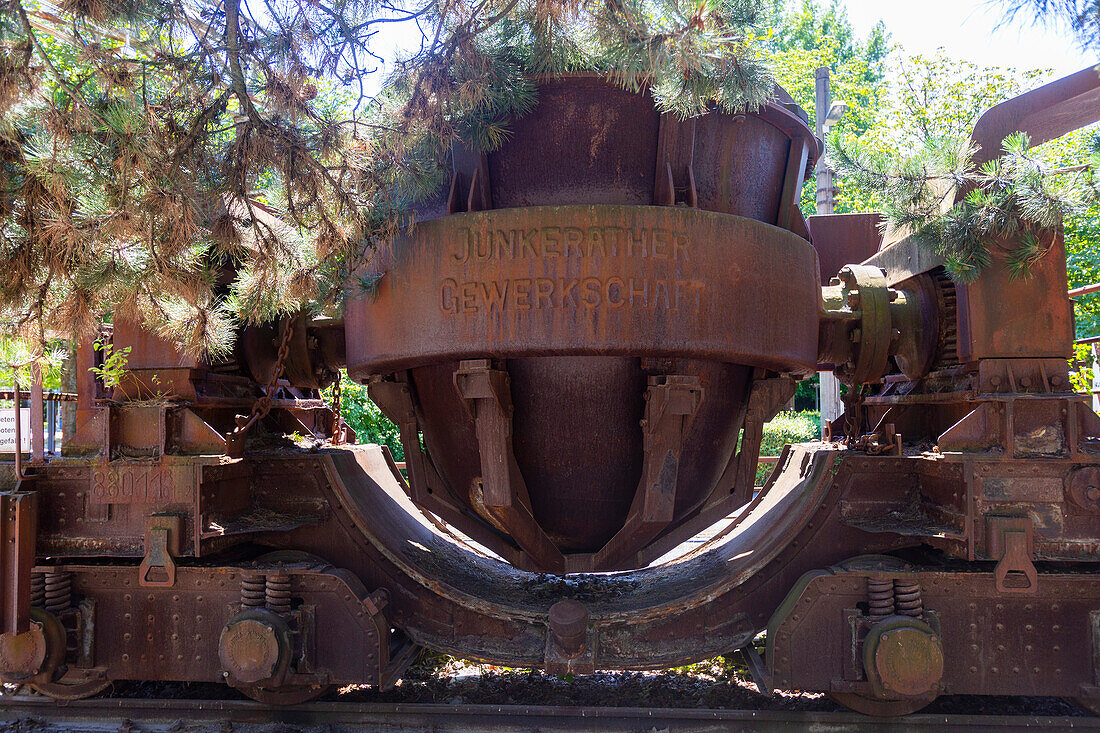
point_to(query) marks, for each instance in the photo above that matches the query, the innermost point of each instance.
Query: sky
(974, 30)
(968, 29)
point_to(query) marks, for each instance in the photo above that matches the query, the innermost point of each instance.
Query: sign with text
(7, 429)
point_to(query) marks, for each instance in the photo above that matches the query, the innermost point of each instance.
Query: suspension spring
(253, 591)
(907, 598)
(58, 591)
(880, 599)
(278, 593)
(38, 590)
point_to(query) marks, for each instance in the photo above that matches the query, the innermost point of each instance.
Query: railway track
(40, 715)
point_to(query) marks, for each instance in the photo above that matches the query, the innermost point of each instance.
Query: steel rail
(9, 394)
(1084, 290)
(155, 715)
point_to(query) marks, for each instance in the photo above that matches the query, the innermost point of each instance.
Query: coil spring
(278, 593)
(907, 599)
(38, 590)
(58, 591)
(880, 598)
(252, 591)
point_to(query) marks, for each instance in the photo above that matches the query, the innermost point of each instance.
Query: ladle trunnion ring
(581, 373)
(643, 281)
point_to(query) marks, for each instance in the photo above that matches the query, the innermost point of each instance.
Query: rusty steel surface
(558, 291)
(1030, 660)
(596, 285)
(750, 165)
(994, 321)
(842, 239)
(580, 343)
(592, 280)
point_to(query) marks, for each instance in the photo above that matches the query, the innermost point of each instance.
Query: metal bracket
(671, 403)
(674, 177)
(759, 671)
(735, 486)
(670, 409)
(400, 660)
(473, 167)
(18, 535)
(1011, 543)
(395, 399)
(162, 544)
(503, 496)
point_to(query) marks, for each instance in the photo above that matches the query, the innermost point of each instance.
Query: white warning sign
(7, 429)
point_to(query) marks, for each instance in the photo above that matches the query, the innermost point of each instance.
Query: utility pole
(828, 393)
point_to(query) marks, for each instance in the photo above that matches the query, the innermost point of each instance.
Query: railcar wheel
(878, 708)
(74, 685)
(289, 695)
(36, 652)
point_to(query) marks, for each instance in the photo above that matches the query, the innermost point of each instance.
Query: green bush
(364, 417)
(790, 427)
(787, 427)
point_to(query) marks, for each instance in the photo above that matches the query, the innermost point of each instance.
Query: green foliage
(959, 210)
(1082, 17)
(790, 427)
(113, 366)
(786, 428)
(364, 417)
(923, 101)
(1082, 372)
(692, 56)
(805, 393)
(18, 355)
(811, 35)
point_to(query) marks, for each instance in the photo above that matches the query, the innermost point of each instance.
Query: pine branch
(957, 210)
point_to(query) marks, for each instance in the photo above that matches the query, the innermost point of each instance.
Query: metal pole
(51, 425)
(823, 100)
(828, 392)
(38, 430)
(1095, 377)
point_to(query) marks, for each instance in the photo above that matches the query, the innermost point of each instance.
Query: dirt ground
(719, 683)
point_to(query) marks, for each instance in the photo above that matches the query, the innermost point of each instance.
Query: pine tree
(958, 210)
(1082, 17)
(199, 164)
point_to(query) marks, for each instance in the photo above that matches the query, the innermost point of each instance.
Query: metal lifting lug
(1011, 544)
(162, 544)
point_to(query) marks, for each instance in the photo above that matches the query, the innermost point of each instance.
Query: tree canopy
(198, 164)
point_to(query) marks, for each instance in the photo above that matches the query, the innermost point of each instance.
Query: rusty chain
(262, 406)
(337, 417)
